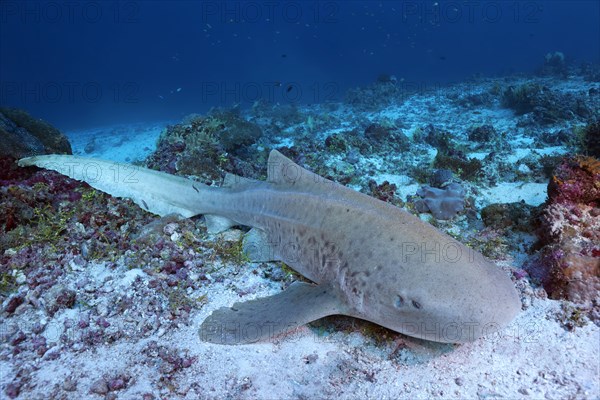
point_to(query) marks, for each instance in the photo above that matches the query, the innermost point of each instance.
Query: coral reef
(346, 142)
(516, 216)
(85, 277)
(589, 139)
(384, 192)
(450, 155)
(41, 207)
(590, 73)
(390, 136)
(441, 139)
(556, 138)
(21, 135)
(554, 65)
(522, 99)
(379, 94)
(209, 146)
(457, 162)
(486, 136)
(483, 133)
(568, 263)
(576, 181)
(546, 105)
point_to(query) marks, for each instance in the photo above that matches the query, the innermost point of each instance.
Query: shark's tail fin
(154, 191)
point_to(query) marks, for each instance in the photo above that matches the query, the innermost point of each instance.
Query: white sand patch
(123, 143)
(520, 153)
(478, 155)
(552, 150)
(533, 357)
(129, 277)
(510, 192)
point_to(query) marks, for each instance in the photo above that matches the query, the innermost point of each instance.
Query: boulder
(22, 135)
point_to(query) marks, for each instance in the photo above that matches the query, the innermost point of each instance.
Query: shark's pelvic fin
(256, 246)
(217, 224)
(265, 318)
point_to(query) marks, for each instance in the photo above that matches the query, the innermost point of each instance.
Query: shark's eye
(399, 302)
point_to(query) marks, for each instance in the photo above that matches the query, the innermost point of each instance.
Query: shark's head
(448, 300)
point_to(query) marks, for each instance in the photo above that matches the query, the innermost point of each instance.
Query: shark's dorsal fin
(283, 171)
(264, 318)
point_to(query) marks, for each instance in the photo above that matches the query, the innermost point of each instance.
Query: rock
(311, 358)
(22, 135)
(59, 297)
(13, 389)
(99, 387)
(441, 177)
(117, 383)
(484, 135)
(13, 303)
(390, 135)
(70, 384)
(336, 143)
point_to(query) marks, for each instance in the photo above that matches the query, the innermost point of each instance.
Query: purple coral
(441, 203)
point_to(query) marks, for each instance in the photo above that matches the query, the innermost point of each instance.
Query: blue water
(89, 63)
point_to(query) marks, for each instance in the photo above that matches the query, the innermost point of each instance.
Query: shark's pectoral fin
(263, 319)
(217, 224)
(256, 246)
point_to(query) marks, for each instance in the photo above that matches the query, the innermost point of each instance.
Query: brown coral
(568, 264)
(576, 180)
(589, 164)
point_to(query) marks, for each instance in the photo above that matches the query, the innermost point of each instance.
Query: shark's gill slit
(416, 305)
(399, 301)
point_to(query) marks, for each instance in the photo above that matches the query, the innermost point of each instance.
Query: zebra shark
(365, 258)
